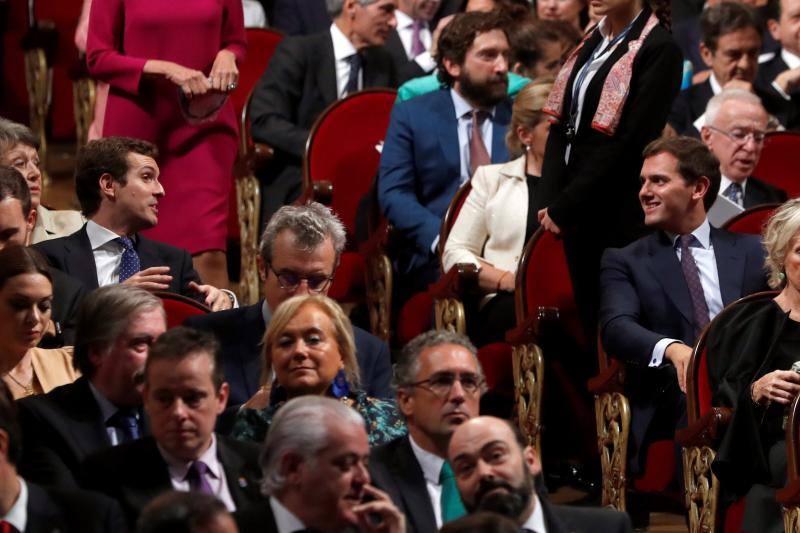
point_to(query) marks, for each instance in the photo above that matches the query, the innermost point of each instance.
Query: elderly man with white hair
(314, 463)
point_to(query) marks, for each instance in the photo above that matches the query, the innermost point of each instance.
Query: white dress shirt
(107, 410)
(107, 253)
(709, 278)
(535, 521)
(463, 112)
(431, 468)
(285, 520)
(216, 473)
(725, 182)
(342, 50)
(17, 516)
(405, 30)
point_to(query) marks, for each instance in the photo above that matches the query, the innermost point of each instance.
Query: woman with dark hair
(610, 99)
(26, 293)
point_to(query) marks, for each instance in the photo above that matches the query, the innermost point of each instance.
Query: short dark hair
(527, 39)
(16, 260)
(9, 423)
(105, 156)
(459, 34)
(725, 18)
(179, 512)
(179, 343)
(694, 160)
(13, 185)
(772, 10)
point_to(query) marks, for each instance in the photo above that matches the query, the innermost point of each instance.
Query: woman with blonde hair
(308, 348)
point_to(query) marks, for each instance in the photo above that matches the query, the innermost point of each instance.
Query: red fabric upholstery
(14, 101)
(349, 280)
(751, 221)
(704, 393)
(778, 164)
(179, 308)
(261, 44)
(497, 367)
(659, 467)
(415, 317)
(734, 516)
(452, 214)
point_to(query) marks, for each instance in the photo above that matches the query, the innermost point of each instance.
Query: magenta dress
(196, 161)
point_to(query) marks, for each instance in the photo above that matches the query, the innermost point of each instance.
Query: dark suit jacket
(406, 68)
(134, 473)
(757, 192)
(240, 332)
(68, 293)
(56, 511)
(420, 170)
(73, 255)
(256, 518)
(570, 519)
(769, 70)
(395, 470)
(300, 17)
(60, 429)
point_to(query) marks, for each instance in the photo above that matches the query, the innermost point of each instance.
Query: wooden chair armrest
(260, 154)
(704, 432)
(790, 494)
(533, 327)
(609, 380)
(43, 35)
(459, 281)
(322, 192)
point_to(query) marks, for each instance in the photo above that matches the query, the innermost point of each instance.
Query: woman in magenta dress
(148, 51)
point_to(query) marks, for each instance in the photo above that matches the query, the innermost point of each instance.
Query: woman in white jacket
(495, 223)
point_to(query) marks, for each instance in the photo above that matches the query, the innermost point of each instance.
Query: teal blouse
(430, 83)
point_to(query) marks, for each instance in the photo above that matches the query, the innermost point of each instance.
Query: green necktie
(452, 508)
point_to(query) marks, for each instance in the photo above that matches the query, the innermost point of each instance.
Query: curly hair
(457, 38)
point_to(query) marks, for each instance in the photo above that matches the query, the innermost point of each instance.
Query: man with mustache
(439, 383)
(495, 469)
(115, 327)
(184, 392)
(437, 140)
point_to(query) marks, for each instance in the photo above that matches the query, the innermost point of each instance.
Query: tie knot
(126, 242)
(417, 25)
(687, 240)
(354, 60)
(479, 115)
(123, 418)
(197, 468)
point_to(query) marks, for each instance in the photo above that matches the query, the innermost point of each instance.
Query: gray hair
(335, 6)
(310, 224)
(103, 316)
(301, 427)
(714, 105)
(781, 229)
(14, 133)
(407, 366)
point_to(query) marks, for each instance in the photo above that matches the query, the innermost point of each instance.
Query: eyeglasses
(289, 280)
(441, 383)
(740, 136)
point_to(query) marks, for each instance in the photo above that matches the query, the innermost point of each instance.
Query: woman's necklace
(28, 389)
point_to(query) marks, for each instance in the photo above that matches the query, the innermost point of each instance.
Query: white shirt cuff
(233, 298)
(780, 91)
(434, 245)
(426, 61)
(658, 352)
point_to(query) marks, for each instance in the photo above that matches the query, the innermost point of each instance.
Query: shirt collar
(107, 409)
(791, 60)
(285, 520)
(98, 235)
(17, 516)
(403, 20)
(535, 521)
(602, 25)
(342, 47)
(702, 233)
(462, 106)
(725, 182)
(430, 463)
(716, 88)
(266, 314)
(178, 468)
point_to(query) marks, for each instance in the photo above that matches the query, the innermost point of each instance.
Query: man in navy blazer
(299, 253)
(426, 156)
(649, 318)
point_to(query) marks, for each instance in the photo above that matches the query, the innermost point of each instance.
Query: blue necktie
(352, 78)
(130, 259)
(125, 421)
(734, 193)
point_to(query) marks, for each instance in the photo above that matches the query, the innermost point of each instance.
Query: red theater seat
(778, 164)
(751, 221)
(179, 308)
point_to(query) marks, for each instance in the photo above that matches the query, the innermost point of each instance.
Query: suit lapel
(730, 265)
(326, 70)
(700, 97)
(666, 268)
(239, 484)
(375, 69)
(153, 479)
(408, 474)
(86, 426)
(444, 120)
(79, 258)
(552, 521)
(44, 515)
(502, 116)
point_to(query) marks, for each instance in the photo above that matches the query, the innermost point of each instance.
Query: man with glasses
(299, 253)
(439, 383)
(734, 132)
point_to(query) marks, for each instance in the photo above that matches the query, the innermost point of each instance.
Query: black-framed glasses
(740, 136)
(441, 383)
(289, 280)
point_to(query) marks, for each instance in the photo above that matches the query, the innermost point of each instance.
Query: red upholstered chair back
(452, 214)
(751, 221)
(179, 308)
(543, 282)
(778, 164)
(261, 44)
(341, 149)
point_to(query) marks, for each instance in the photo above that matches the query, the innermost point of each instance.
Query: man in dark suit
(29, 508)
(734, 132)
(430, 148)
(314, 465)
(781, 72)
(308, 73)
(495, 469)
(299, 253)
(116, 181)
(731, 42)
(17, 220)
(439, 381)
(660, 291)
(411, 42)
(184, 391)
(116, 326)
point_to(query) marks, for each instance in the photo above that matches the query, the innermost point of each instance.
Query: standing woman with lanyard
(610, 99)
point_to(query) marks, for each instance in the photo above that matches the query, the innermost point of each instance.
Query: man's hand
(779, 386)
(788, 80)
(216, 299)
(379, 515)
(679, 355)
(547, 222)
(151, 279)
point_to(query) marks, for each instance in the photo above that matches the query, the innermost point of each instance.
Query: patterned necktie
(352, 78)
(450, 501)
(130, 259)
(417, 47)
(734, 193)
(478, 155)
(6, 527)
(692, 275)
(127, 424)
(196, 476)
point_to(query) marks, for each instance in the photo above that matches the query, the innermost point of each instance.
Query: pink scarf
(615, 88)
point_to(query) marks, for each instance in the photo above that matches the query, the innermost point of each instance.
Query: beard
(510, 502)
(485, 94)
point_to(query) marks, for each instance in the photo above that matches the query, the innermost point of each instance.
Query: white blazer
(491, 223)
(51, 224)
